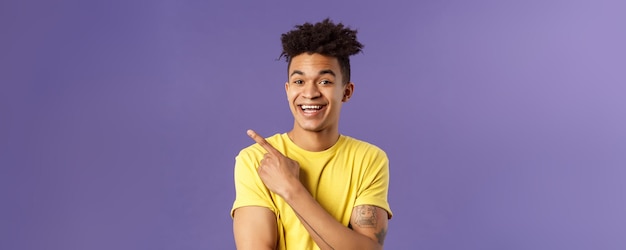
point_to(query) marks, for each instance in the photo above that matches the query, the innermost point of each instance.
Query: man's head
(325, 38)
(319, 74)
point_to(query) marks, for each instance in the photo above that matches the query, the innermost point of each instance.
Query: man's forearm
(325, 230)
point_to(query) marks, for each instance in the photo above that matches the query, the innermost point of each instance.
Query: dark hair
(324, 38)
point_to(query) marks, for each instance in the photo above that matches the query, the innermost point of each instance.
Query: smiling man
(312, 187)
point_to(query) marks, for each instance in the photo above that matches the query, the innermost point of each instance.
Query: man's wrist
(295, 190)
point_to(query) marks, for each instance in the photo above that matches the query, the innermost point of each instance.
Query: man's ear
(286, 87)
(347, 91)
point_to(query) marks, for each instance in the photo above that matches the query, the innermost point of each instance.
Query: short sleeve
(249, 188)
(375, 185)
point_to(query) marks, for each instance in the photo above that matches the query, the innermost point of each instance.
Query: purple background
(504, 121)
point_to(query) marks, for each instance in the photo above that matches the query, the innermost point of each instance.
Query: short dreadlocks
(324, 38)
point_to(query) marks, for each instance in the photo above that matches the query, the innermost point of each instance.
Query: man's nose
(311, 90)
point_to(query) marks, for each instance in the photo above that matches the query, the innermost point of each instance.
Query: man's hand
(277, 172)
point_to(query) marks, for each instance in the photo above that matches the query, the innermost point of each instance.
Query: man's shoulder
(361, 145)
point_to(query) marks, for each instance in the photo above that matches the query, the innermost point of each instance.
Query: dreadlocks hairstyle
(324, 38)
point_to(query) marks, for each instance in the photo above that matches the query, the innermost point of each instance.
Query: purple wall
(504, 121)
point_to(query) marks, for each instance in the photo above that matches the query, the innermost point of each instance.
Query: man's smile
(311, 109)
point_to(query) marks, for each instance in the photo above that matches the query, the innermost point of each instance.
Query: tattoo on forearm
(313, 229)
(366, 216)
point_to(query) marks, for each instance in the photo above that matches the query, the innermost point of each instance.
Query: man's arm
(254, 228)
(280, 175)
(370, 221)
(368, 230)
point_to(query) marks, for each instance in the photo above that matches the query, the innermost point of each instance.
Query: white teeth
(311, 106)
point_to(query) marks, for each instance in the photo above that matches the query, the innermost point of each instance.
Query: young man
(313, 188)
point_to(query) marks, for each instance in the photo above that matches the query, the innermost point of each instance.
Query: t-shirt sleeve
(249, 188)
(375, 185)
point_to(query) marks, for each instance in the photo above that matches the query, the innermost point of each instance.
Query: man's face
(315, 91)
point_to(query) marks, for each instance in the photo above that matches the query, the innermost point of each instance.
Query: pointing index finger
(261, 141)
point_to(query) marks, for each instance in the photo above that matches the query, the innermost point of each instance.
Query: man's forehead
(314, 63)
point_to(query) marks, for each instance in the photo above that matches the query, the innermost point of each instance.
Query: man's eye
(325, 82)
(298, 82)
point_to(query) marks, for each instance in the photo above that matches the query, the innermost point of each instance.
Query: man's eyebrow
(296, 72)
(327, 71)
(322, 72)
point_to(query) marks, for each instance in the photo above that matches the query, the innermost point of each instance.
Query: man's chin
(314, 128)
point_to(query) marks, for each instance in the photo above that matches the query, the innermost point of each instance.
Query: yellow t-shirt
(350, 173)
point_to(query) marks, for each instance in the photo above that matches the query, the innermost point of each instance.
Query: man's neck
(313, 141)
